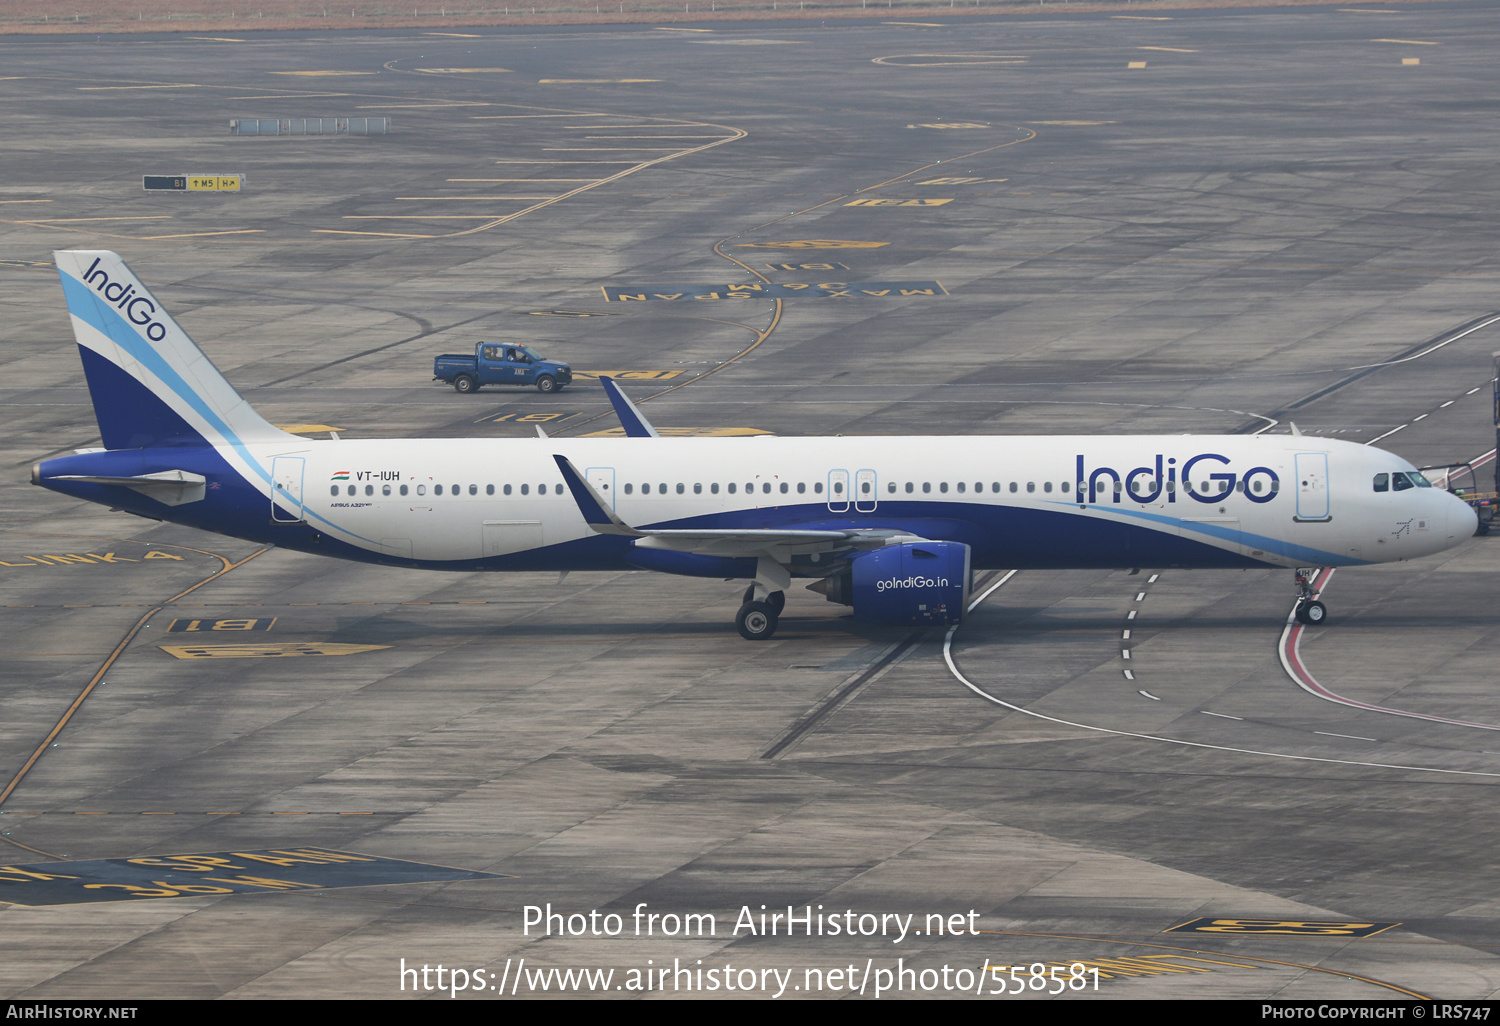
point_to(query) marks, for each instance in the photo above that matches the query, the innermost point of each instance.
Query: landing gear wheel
(1312, 613)
(756, 621)
(465, 384)
(546, 383)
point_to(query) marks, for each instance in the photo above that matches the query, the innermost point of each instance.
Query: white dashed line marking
(1140, 596)
(1222, 716)
(1129, 675)
(1131, 616)
(1152, 578)
(1351, 737)
(1125, 635)
(1150, 696)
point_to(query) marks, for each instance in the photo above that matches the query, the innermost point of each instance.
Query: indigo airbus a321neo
(893, 526)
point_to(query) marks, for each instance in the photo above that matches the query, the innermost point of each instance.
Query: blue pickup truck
(500, 363)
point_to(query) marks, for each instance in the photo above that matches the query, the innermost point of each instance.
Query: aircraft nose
(1463, 522)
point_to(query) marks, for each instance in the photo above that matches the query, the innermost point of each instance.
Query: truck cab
(501, 363)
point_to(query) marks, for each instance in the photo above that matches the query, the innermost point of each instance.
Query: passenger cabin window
(527, 488)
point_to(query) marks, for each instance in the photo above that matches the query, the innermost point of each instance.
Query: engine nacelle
(916, 583)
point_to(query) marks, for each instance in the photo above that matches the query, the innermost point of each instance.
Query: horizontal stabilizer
(168, 487)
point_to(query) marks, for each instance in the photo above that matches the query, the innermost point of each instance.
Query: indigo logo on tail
(136, 308)
(1146, 484)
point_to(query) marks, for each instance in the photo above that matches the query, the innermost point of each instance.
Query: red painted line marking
(1291, 660)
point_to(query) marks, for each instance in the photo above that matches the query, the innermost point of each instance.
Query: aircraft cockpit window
(1382, 483)
(1400, 482)
(1419, 479)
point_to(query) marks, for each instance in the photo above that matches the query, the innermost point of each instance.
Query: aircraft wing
(727, 542)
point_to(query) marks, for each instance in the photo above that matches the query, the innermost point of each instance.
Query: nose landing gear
(1309, 610)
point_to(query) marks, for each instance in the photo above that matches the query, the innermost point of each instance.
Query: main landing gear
(757, 618)
(1309, 610)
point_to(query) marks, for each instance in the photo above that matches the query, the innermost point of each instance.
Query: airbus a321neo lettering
(894, 527)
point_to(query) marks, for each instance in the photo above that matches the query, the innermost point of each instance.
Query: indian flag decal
(342, 475)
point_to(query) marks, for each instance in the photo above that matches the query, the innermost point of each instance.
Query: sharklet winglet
(636, 425)
(596, 512)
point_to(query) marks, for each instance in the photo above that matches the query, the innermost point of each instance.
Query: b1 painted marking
(898, 202)
(255, 623)
(1282, 926)
(807, 267)
(281, 651)
(253, 871)
(518, 417)
(814, 244)
(764, 290)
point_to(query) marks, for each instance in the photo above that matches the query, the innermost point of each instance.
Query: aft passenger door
(286, 494)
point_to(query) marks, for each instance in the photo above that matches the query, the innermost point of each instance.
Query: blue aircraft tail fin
(150, 383)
